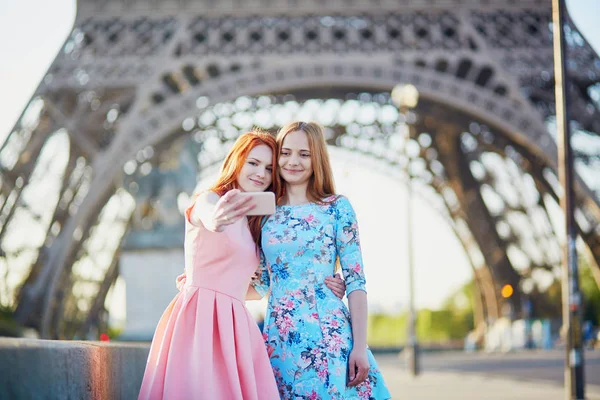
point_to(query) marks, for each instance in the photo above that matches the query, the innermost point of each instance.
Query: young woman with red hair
(207, 345)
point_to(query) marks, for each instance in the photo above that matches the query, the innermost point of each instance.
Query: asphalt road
(542, 366)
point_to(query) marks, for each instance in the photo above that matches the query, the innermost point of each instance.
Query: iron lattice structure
(147, 94)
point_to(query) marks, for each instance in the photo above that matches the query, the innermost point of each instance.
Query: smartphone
(264, 202)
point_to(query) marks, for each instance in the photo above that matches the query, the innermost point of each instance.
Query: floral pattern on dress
(307, 328)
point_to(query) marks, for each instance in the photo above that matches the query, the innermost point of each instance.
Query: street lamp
(406, 98)
(571, 293)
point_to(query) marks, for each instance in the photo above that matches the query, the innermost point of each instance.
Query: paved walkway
(454, 386)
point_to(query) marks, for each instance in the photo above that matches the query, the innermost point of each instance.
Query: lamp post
(571, 294)
(406, 98)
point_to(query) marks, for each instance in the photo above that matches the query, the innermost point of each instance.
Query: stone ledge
(53, 369)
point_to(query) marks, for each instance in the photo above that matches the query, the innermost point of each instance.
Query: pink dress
(207, 345)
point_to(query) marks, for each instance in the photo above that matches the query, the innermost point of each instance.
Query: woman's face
(257, 173)
(295, 164)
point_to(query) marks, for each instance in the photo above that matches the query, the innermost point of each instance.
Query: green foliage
(548, 304)
(8, 327)
(591, 295)
(432, 326)
(385, 330)
(453, 321)
(114, 333)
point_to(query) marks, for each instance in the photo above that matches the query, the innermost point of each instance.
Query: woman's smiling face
(295, 162)
(257, 173)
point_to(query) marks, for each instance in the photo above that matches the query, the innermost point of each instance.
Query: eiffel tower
(147, 95)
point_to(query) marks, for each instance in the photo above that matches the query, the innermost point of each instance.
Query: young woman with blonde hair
(316, 351)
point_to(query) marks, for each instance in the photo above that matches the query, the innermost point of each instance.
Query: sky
(33, 32)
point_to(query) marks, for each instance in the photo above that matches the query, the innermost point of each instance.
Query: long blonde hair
(321, 184)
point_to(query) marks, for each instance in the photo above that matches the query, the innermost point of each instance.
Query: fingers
(243, 208)
(333, 282)
(230, 196)
(351, 371)
(232, 199)
(360, 375)
(358, 368)
(231, 208)
(229, 201)
(339, 281)
(237, 203)
(336, 286)
(232, 216)
(363, 373)
(180, 282)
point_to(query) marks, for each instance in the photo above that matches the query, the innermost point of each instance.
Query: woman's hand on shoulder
(337, 285)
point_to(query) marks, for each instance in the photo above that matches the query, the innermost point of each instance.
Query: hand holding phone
(264, 202)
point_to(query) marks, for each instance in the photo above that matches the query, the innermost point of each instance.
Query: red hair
(230, 170)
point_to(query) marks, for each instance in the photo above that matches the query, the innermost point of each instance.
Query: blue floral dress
(307, 328)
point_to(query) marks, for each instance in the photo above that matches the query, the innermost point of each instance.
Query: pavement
(436, 383)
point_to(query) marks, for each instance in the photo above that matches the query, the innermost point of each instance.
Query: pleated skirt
(207, 346)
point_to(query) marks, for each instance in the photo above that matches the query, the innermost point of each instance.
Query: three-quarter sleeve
(262, 280)
(348, 246)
